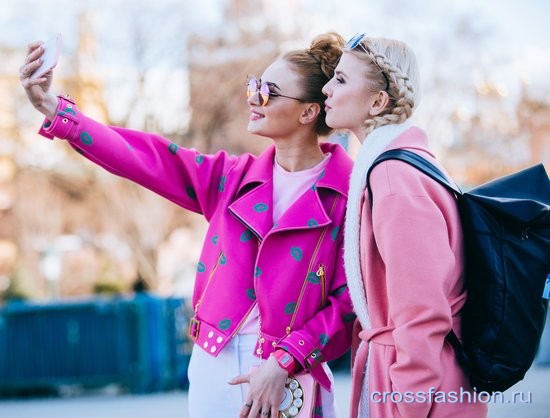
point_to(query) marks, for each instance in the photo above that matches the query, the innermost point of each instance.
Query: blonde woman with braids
(270, 296)
(403, 250)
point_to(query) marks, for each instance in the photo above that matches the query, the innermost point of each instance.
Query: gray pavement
(528, 399)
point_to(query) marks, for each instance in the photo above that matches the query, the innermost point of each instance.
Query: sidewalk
(530, 398)
(532, 401)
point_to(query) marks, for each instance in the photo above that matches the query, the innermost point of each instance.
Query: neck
(360, 134)
(298, 156)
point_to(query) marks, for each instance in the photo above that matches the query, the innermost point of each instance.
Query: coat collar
(414, 139)
(335, 176)
(255, 207)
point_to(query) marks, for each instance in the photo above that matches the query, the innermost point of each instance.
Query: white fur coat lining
(376, 142)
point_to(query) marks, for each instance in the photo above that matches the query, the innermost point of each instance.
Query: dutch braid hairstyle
(315, 67)
(391, 66)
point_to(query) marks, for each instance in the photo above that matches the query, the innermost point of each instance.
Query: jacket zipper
(321, 274)
(196, 308)
(300, 298)
(258, 237)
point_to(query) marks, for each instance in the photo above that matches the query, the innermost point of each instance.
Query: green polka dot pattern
(296, 253)
(173, 148)
(251, 293)
(290, 308)
(86, 138)
(246, 236)
(313, 278)
(224, 324)
(260, 207)
(221, 184)
(312, 222)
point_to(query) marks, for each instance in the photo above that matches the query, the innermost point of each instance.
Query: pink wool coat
(411, 261)
(292, 270)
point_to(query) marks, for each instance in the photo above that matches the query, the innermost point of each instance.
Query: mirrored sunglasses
(264, 90)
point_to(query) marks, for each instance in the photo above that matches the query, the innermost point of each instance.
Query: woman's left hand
(266, 390)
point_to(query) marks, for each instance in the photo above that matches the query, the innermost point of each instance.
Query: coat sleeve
(413, 239)
(183, 176)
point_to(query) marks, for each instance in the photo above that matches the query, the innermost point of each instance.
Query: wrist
(48, 107)
(285, 360)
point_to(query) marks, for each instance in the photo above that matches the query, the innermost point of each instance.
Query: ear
(380, 102)
(310, 113)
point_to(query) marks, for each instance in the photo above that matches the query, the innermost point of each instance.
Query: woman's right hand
(38, 89)
(265, 391)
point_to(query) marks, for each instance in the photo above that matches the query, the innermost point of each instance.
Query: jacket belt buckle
(194, 326)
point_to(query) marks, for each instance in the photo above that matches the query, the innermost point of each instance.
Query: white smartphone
(49, 58)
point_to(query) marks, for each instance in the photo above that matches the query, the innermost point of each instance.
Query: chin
(253, 128)
(258, 131)
(332, 123)
(330, 118)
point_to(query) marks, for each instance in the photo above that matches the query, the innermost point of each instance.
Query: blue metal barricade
(138, 343)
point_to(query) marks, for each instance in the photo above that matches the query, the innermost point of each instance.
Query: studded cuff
(304, 351)
(65, 120)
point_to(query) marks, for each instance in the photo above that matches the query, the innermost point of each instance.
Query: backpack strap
(416, 161)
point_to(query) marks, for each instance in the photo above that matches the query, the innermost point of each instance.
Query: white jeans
(210, 396)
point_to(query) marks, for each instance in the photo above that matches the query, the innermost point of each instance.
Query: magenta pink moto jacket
(293, 269)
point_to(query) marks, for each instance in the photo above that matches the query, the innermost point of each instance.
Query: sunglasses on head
(264, 90)
(357, 41)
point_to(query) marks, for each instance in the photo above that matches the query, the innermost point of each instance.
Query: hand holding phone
(49, 58)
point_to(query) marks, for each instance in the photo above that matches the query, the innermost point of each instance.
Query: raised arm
(184, 176)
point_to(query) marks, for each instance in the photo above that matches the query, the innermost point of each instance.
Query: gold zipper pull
(321, 271)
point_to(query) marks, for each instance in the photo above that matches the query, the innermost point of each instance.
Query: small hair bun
(327, 49)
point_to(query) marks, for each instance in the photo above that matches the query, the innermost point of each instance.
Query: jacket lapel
(306, 212)
(255, 209)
